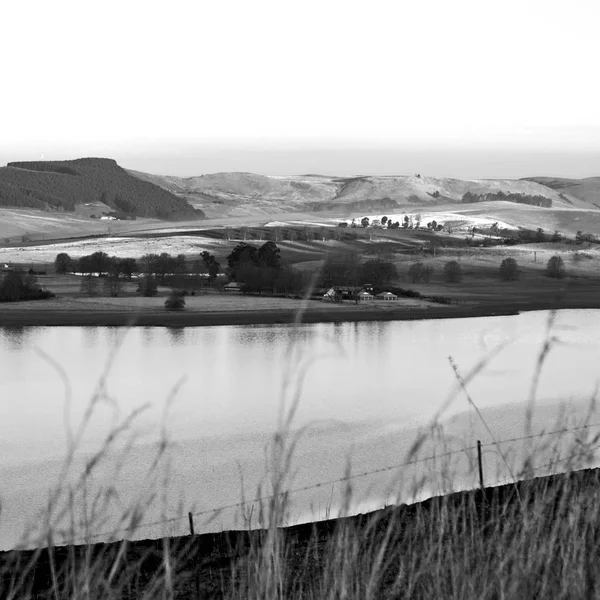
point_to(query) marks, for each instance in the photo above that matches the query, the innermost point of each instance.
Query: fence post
(191, 518)
(480, 465)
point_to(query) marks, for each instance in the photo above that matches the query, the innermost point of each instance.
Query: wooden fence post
(191, 518)
(480, 465)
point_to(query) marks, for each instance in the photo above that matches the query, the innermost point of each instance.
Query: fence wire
(245, 503)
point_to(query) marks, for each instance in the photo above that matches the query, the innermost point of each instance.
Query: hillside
(62, 185)
(586, 190)
(244, 194)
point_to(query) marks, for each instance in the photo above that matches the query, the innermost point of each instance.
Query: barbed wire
(542, 434)
(344, 479)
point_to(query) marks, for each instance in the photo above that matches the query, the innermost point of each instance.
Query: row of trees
(509, 270)
(408, 222)
(153, 268)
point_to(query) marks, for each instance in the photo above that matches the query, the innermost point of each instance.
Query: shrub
(453, 271)
(509, 269)
(175, 301)
(555, 267)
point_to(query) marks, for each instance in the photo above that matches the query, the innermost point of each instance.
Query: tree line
(519, 198)
(152, 268)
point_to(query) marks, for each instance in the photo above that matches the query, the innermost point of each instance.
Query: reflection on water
(15, 338)
(390, 370)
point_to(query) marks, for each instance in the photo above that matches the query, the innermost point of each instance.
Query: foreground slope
(62, 185)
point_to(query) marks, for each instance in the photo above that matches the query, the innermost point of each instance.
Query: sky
(460, 88)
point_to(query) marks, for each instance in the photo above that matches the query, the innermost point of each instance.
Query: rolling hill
(62, 185)
(244, 194)
(586, 190)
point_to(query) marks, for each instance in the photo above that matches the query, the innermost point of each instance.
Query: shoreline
(155, 318)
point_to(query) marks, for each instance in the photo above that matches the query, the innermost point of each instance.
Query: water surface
(217, 393)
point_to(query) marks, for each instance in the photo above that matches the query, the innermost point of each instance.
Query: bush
(453, 271)
(509, 269)
(555, 267)
(175, 301)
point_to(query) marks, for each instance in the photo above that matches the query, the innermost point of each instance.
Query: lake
(216, 394)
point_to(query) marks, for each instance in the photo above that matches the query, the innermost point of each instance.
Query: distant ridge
(62, 185)
(244, 194)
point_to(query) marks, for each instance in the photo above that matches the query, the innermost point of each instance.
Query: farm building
(386, 296)
(364, 295)
(233, 287)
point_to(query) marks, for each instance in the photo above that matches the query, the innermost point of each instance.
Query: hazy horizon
(278, 159)
(462, 89)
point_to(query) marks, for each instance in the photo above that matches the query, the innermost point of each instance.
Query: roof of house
(233, 284)
(387, 294)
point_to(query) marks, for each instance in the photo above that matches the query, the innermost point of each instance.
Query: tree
(175, 301)
(112, 283)
(555, 267)
(384, 220)
(556, 237)
(509, 269)
(341, 269)
(211, 264)
(127, 267)
(453, 271)
(539, 235)
(149, 264)
(377, 271)
(242, 253)
(269, 256)
(99, 262)
(84, 265)
(579, 237)
(63, 263)
(165, 264)
(147, 286)
(364, 222)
